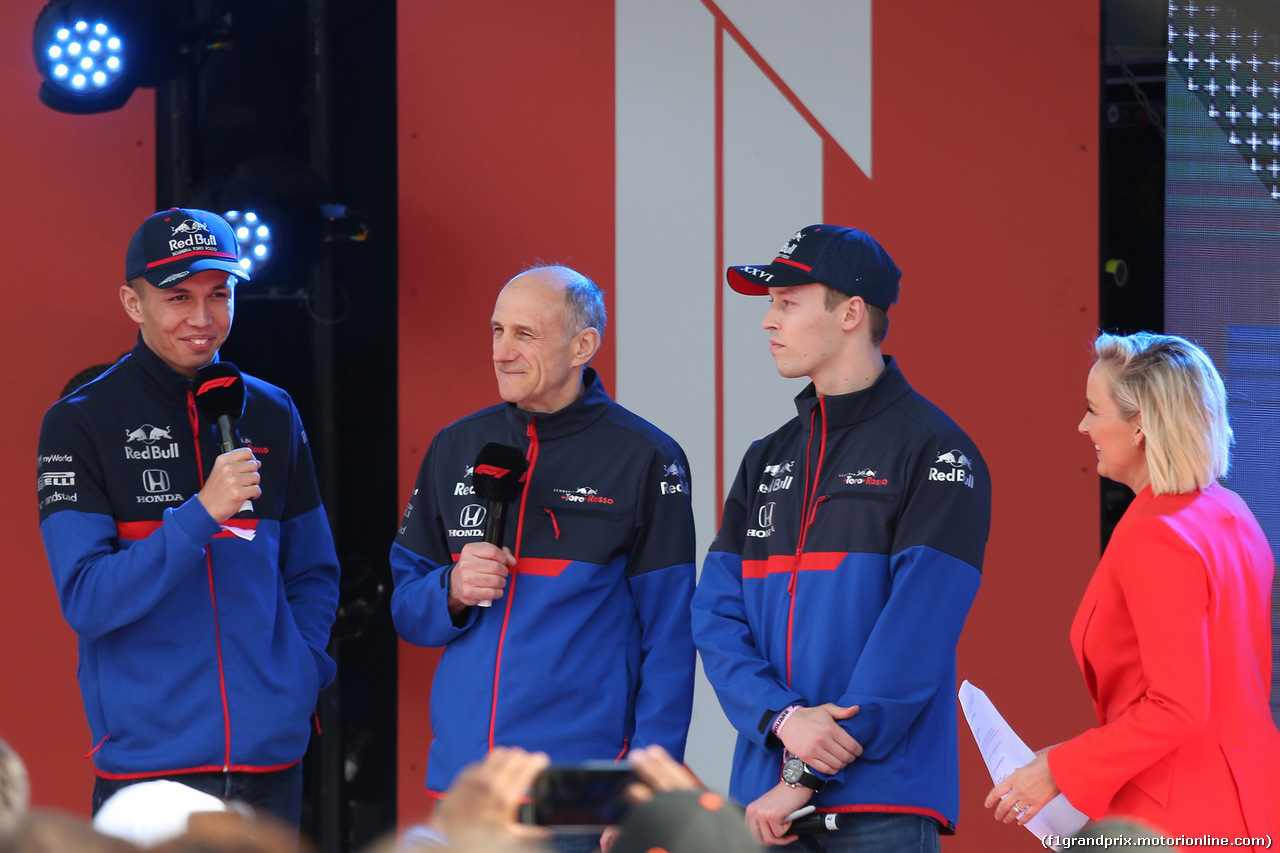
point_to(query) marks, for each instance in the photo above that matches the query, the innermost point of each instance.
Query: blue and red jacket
(848, 555)
(588, 652)
(202, 648)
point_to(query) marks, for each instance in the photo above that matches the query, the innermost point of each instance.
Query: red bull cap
(847, 259)
(174, 243)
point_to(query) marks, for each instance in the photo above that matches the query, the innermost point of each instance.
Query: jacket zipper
(532, 456)
(213, 598)
(808, 509)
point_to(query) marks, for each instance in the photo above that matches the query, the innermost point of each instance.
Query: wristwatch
(796, 772)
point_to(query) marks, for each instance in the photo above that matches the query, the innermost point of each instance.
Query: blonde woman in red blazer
(1174, 632)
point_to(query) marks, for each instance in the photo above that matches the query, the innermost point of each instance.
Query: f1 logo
(766, 515)
(492, 471)
(220, 382)
(155, 480)
(472, 515)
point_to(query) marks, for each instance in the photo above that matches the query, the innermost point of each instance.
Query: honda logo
(472, 515)
(155, 480)
(766, 515)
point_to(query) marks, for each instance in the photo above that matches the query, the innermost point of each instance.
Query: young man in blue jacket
(849, 552)
(202, 628)
(585, 651)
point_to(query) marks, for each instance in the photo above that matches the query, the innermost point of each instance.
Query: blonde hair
(1175, 387)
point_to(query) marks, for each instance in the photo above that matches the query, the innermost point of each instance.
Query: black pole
(329, 795)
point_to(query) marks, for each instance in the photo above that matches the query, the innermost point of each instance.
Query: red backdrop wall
(985, 183)
(986, 176)
(74, 188)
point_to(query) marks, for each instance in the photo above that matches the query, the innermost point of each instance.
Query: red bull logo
(147, 434)
(958, 473)
(190, 226)
(955, 459)
(192, 242)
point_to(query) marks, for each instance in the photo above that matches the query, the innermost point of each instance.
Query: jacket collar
(842, 410)
(158, 378)
(578, 415)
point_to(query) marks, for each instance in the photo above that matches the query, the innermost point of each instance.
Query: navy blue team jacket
(589, 651)
(848, 555)
(200, 649)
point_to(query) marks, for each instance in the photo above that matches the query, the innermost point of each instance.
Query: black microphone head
(219, 391)
(499, 473)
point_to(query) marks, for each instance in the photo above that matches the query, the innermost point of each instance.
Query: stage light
(93, 54)
(254, 236)
(274, 204)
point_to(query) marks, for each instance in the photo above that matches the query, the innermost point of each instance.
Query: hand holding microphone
(479, 576)
(481, 572)
(233, 483)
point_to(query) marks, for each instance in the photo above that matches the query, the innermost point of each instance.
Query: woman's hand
(1020, 795)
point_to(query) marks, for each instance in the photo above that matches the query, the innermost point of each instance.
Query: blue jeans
(874, 833)
(574, 842)
(278, 793)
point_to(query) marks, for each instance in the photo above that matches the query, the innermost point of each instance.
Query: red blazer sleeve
(1145, 653)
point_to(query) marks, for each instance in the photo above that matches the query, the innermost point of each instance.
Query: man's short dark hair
(877, 318)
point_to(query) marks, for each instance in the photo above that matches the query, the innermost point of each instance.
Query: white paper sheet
(1004, 752)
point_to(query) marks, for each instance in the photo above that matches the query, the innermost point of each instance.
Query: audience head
(45, 831)
(15, 789)
(685, 821)
(149, 813)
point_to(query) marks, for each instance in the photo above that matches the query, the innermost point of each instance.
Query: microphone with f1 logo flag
(498, 479)
(220, 401)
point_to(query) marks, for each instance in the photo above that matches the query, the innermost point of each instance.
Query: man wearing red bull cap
(202, 626)
(849, 553)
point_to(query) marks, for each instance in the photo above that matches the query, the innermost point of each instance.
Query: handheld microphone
(815, 822)
(498, 478)
(220, 401)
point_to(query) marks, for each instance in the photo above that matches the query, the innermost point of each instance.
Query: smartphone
(587, 796)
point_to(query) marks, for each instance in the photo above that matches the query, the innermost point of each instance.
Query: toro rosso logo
(959, 469)
(583, 494)
(864, 477)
